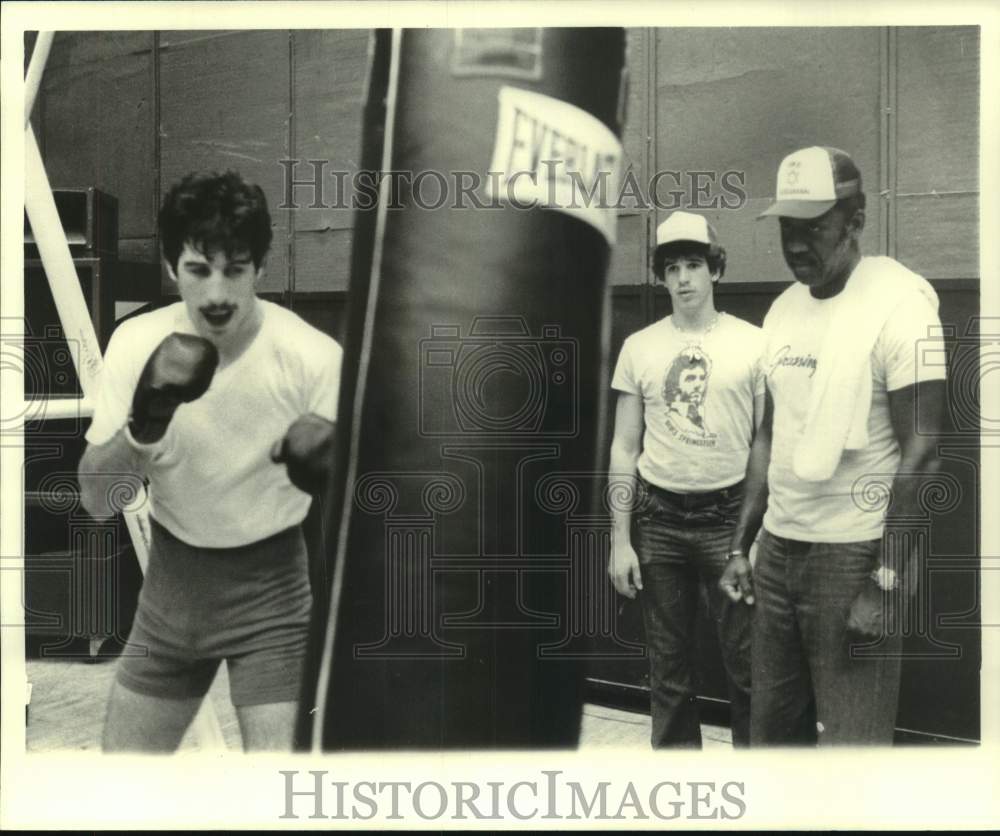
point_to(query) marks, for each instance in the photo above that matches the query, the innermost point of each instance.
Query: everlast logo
(535, 142)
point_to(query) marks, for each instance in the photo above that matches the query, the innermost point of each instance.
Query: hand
(737, 580)
(866, 619)
(623, 569)
(307, 452)
(179, 370)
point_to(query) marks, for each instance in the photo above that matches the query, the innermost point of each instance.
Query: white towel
(841, 395)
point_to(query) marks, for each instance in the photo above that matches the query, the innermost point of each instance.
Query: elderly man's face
(819, 250)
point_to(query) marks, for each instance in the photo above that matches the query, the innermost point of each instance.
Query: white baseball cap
(685, 226)
(810, 181)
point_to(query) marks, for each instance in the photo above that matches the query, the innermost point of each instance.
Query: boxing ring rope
(57, 261)
(33, 78)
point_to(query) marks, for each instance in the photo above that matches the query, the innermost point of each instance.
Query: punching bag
(473, 397)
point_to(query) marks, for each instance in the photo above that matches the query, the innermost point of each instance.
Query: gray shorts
(249, 605)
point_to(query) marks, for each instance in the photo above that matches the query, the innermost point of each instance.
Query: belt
(694, 499)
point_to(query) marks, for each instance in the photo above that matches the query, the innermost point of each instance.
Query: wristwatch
(735, 553)
(885, 578)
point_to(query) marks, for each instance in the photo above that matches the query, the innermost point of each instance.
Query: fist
(737, 580)
(624, 571)
(307, 452)
(866, 619)
(179, 370)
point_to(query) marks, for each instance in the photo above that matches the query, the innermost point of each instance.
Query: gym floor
(68, 696)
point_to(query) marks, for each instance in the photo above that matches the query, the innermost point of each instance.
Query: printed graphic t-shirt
(848, 507)
(698, 401)
(211, 479)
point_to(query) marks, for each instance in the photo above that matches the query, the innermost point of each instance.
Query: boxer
(225, 403)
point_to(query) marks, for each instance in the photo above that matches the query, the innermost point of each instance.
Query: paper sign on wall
(553, 154)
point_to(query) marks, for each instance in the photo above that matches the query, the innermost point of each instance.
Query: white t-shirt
(839, 510)
(698, 401)
(212, 482)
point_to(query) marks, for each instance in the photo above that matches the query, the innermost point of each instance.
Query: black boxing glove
(179, 371)
(307, 452)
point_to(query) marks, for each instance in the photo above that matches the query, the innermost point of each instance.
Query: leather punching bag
(474, 392)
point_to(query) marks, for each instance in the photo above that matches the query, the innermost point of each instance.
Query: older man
(845, 381)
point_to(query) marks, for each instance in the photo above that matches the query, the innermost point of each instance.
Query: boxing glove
(179, 370)
(307, 452)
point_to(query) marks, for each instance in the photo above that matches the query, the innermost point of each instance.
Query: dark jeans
(809, 682)
(682, 541)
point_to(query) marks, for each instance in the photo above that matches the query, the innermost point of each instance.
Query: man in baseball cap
(811, 181)
(847, 385)
(689, 387)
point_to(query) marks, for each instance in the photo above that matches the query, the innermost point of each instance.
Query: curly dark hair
(714, 255)
(215, 213)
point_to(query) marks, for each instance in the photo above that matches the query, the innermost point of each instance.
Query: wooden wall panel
(329, 79)
(97, 120)
(628, 258)
(77, 48)
(938, 235)
(224, 103)
(937, 172)
(328, 312)
(322, 260)
(740, 99)
(938, 109)
(635, 139)
(181, 37)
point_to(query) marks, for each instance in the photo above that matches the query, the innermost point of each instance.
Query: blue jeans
(682, 541)
(809, 682)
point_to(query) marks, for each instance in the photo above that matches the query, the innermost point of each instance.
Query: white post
(78, 327)
(33, 79)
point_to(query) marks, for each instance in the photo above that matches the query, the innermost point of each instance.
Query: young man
(847, 388)
(689, 388)
(225, 403)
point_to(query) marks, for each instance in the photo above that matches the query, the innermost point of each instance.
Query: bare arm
(759, 407)
(736, 580)
(625, 449)
(755, 491)
(108, 472)
(918, 458)
(908, 410)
